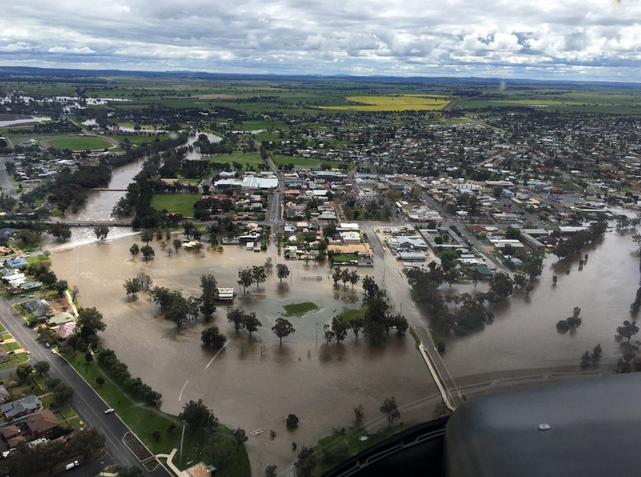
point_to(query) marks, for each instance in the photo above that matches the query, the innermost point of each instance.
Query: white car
(54, 351)
(109, 411)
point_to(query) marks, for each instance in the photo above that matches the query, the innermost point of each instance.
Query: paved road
(5, 180)
(86, 402)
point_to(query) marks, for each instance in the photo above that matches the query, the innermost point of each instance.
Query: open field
(300, 161)
(299, 309)
(403, 102)
(78, 143)
(175, 203)
(245, 160)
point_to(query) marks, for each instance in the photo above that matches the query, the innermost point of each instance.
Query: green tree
(100, 380)
(147, 236)
(197, 416)
(305, 464)
(245, 278)
(240, 436)
(237, 317)
(337, 275)
(283, 329)
(209, 286)
(252, 323)
(147, 252)
(212, 338)
(60, 230)
(390, 409)
(359, 414)
(132, 286)
(282, 271)
(339, 328)
(101, 232)
(42, 367)
(354, 277)
(23, 371)
(62, 393)
(259, 274)
(60, 287)
(134, 250)
(628, 330)
(292, 421)
(90, 321)
(596, 353)
(270, 470)
(177, 244)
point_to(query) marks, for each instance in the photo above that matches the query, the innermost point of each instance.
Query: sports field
(401, 102)
(78, 143)
(175, 203)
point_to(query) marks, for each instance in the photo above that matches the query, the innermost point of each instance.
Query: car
(54, 351)
(28, 352)
(23, 296)
(109, 411)
(47, 345)
(32, 296)
(72, 465)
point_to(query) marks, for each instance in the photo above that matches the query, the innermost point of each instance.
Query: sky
(537, 39)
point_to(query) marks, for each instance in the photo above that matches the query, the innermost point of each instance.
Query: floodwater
(255, 383)
(14, 122)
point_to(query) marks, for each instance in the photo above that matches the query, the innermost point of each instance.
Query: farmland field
(403, 102)
(78, 143)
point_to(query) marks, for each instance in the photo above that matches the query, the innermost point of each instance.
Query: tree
(101, 232)
(245, 278)
(585, 359)
(329, 334)
(100, 380)
(501, 285)
(252, 323)
(240, 436)
(62, 393)
(134, 250)
(90, 322)
(337, 275)
(177, 244)
(628, 330)
(197, 416)
(339, 328)
(147, 252)
(306, 463)
(354, 278)
(60, 230)
(259, 274)
(23, 371)
(596, 353)
(237, 317)
(270, 470)
(61, 287)
(145, 281)
(209, 286)
(132, 286)
(359, 413)
(520, 281)
(390, 409)
(212, 338)
(357, 325)
(292, 421)
(282, 271)
(147, 236)
(282, 329)
(42, 367)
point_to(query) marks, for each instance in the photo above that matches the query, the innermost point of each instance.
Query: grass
(247, 161)
(417, 341)
(135, 140)
(344, 257)
(11, 346)
(300, 161)
(15, 360)
(351, 314)
(299, 309)
(193, 452)
(341, 444)
(176, 203)
(401, 102)
(79, 143)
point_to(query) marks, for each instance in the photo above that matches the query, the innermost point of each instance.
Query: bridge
(447, 387)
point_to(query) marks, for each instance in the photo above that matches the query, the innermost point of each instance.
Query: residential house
(42, 424)
(60, 319)
(12, 435)
(21, 406)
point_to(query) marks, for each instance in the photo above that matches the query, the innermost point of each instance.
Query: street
(86, 402)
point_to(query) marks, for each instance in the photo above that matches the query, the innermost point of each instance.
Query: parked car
(109, 411)
(72, 465)
(54, 351)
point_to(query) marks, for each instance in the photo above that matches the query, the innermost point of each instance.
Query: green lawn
(337, 447)
(15, 360)
(79, 143)
(246, 160)
(300, 161)
(350, 314)
(299, 309)
(11, 346)
(176, 203)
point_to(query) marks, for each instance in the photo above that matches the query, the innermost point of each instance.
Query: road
(86, 402)
(5, 180)
(454, 397)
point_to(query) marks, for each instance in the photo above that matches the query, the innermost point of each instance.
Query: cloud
(552, 39)
(85, 50)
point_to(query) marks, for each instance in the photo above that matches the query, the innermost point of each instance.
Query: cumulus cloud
(551, 39)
